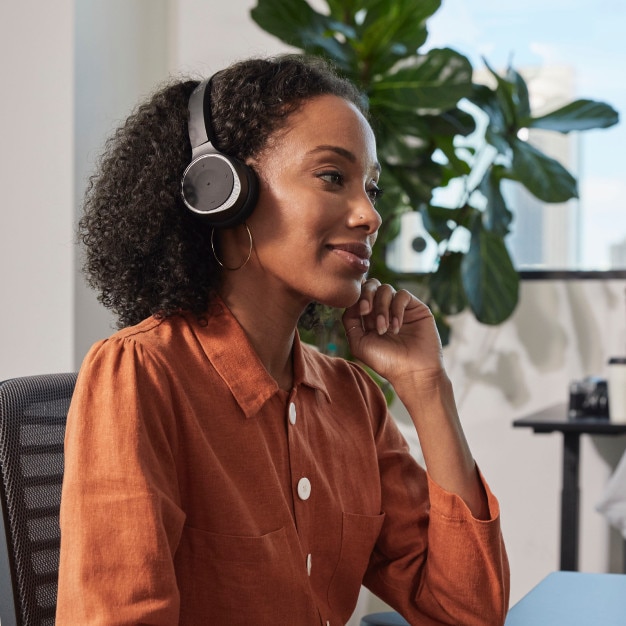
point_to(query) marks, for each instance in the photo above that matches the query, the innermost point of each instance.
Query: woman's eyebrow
(346, 154)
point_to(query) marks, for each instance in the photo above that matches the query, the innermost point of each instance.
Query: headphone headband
(200, 119)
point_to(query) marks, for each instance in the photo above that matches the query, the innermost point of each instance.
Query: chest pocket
(227, 580)
(358, 537)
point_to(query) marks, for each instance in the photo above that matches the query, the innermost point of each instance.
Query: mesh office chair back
(32, 429)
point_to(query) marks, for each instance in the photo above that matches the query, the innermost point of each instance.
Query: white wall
(211, 35)
(36, 179)
(561, 330)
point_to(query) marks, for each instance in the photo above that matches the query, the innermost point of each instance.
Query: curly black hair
(145, 252)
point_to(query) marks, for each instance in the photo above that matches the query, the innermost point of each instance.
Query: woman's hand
(393, 332)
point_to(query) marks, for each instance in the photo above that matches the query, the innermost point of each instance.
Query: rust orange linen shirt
(197, 492)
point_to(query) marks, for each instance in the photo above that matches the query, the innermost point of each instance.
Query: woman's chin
(342, 300)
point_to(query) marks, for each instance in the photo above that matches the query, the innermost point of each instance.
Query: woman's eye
(332, 177)
(375, 192)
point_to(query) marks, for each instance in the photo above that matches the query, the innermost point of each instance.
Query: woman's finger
(380, 315)
(368, 291)
(401, 301)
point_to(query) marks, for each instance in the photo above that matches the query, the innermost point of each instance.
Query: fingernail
(381, 325)
(364, 307)
(395, 325)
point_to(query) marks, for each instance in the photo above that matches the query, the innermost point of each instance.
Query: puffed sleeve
(121, 518)
(433, 561)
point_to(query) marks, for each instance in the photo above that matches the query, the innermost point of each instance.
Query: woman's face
(315, 222)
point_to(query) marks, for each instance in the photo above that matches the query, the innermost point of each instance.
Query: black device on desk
(589, 397)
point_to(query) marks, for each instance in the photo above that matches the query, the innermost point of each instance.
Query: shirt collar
(307, 367)
(228, 349)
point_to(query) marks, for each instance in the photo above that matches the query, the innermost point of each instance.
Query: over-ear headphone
(220, 188)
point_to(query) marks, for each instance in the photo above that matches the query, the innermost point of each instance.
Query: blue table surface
(573, 599)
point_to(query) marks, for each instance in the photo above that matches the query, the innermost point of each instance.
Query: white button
(292, 413)
(308, 564)
(304, 488)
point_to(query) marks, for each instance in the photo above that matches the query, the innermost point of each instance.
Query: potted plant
(422, 105)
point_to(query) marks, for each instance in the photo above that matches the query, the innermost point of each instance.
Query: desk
(554, 419)
(573, 599)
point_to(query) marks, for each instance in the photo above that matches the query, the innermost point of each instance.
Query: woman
(219, 471)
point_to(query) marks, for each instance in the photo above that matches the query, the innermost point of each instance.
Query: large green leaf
(297, 24)
(396, 13)
(446, 285)
(397, 152)
(496, 216)
(393, 128)
(440, 221)
(543, 176)
(457, 166)
(505, 93)
(577, 115)
(409, 168)
(521, 99)
(489, 278)
(417, 181)
(344, 9)
(391, 30)
(452, 123)
(497, 130)
(432, 83)
(407, 136)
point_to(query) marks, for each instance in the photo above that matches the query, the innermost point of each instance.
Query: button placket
(299, 468)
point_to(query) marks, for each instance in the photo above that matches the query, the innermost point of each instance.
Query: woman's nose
(364, 215)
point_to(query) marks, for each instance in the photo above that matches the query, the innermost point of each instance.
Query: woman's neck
(270, 328)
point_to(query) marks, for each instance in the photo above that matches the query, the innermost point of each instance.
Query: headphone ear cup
(221, 189)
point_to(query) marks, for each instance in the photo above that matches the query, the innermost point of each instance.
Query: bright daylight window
(565, 49)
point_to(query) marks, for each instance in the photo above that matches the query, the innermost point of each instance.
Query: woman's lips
(356, 255)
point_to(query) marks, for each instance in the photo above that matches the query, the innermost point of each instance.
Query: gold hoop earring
(219, 261)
